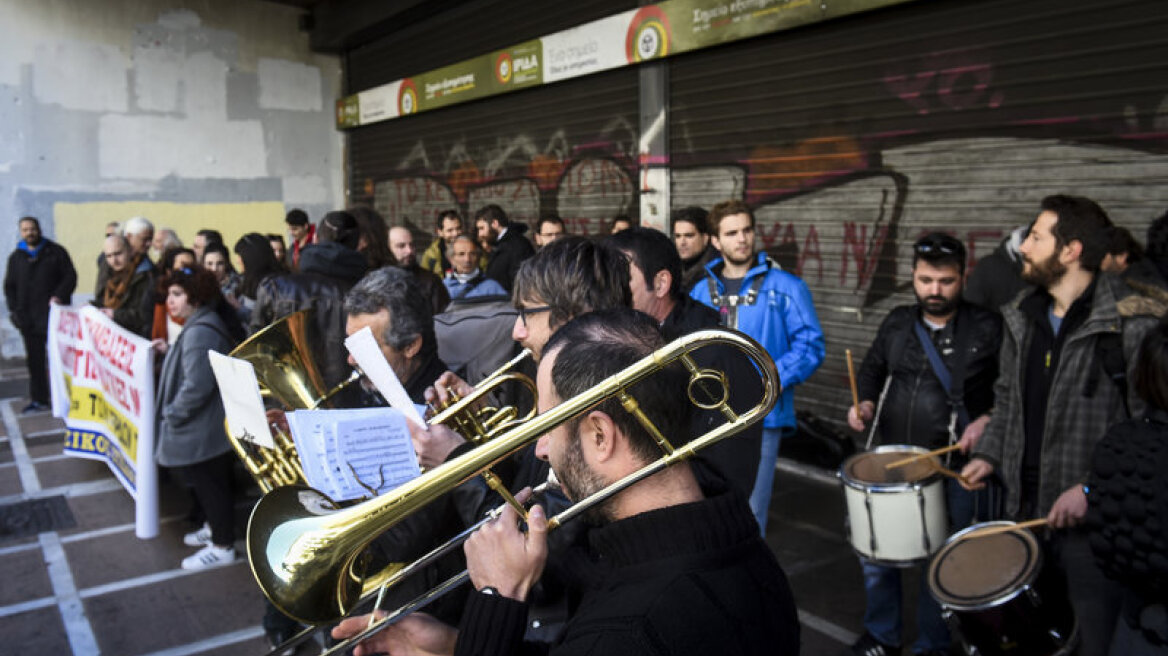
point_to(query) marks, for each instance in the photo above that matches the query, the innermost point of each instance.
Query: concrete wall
(194, 114)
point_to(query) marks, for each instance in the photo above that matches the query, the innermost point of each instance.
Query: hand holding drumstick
(860, 413)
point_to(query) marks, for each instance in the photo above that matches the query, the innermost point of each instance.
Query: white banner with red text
(102, 379)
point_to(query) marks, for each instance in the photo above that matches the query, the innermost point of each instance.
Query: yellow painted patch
(80, 227)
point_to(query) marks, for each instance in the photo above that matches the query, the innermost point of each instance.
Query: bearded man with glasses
(934, 363)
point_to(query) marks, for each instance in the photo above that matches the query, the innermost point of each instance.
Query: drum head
(870, 468)
(977, 572)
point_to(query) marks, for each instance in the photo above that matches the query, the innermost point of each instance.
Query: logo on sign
(648, 35)
(503, 68)
(407, 98)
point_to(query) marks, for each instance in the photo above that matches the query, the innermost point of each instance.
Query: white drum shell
(896, 524)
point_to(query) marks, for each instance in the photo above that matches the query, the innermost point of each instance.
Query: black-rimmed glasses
(524, 312)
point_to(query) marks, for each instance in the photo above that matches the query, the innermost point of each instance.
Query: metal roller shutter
(853, 137)
(568, 148)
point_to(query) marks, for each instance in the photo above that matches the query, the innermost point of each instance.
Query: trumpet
(306, 554)
(469, 417)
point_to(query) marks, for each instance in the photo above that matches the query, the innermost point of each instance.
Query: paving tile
(25, 577)
(71, 470)
(10, 481)
(116, 507)
(176, 612)
(111, 558)
(35, 632)
(36, 423)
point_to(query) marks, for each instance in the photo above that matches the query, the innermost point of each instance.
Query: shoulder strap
(951, 381)
(1109, 354)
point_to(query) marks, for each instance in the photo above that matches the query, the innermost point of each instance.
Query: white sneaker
(199, 538)
(209, 556)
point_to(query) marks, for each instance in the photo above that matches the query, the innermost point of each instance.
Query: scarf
(118, 285)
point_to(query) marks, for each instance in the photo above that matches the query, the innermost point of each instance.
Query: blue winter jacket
(782, 319)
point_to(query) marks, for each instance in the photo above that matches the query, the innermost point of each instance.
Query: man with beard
(447, 226)
(671, 567)
(508, 247)
(40, 272)
(1068, 345)
(754, 295)
(939, 357)
(401, 244)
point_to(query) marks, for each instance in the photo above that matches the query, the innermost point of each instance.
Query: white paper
(373, 443)
(364, 349)
(376, 449)
(242, 403)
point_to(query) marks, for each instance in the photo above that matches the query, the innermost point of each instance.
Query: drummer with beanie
(926, 381)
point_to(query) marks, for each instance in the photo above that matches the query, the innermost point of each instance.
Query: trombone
(306, 554)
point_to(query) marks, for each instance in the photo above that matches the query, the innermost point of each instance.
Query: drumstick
(936, 452)
(997, 530)
(852, 380)
(949, 472)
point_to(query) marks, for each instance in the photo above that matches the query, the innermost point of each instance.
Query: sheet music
(379, 450)
(240, 391)
(307, 427)
(374, 442)
(364, 349)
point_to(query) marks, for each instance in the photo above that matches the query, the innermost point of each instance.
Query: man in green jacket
(447, 226)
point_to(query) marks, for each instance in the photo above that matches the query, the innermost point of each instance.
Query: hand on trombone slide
(416, 635)
(499, 555)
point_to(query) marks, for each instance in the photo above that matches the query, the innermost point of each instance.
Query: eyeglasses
(524, 312)
(946, 245)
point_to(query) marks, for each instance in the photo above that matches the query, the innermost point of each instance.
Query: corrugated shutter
(568, 148)
(853, 137)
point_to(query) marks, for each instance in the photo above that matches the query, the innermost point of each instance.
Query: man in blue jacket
(754, 295)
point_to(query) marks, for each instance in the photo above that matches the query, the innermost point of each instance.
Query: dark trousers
(38, 364)
(1095, 598)
(211, 482)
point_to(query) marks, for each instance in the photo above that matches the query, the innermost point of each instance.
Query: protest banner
(102, 382)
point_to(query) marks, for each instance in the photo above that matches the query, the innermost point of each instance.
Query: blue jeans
(760, 495)
(882, 615)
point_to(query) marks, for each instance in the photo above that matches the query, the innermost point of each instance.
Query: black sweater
(689, 579)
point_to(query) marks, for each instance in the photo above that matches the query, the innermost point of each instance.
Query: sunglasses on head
(933, 245)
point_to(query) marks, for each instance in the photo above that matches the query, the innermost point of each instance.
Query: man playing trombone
(670, 568)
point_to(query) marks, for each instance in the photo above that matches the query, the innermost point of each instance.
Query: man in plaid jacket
(1069, 341)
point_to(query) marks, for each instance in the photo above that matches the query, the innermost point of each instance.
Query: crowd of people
(1023, 364)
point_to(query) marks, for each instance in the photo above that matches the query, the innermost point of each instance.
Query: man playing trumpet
(670, 568)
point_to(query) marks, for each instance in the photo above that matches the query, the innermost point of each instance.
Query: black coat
(509, 252)
(30, 282)
(694, 578)
(1127, 513)
(735, 458)
(917, 408)
(996, 279)
(327, 272)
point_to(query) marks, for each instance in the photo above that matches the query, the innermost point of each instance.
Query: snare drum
(996, 598)
(896, 517)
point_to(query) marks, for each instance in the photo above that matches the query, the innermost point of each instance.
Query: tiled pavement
(96, 588)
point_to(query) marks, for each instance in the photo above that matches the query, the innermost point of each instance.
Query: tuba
(281, 356)
(306, 553)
